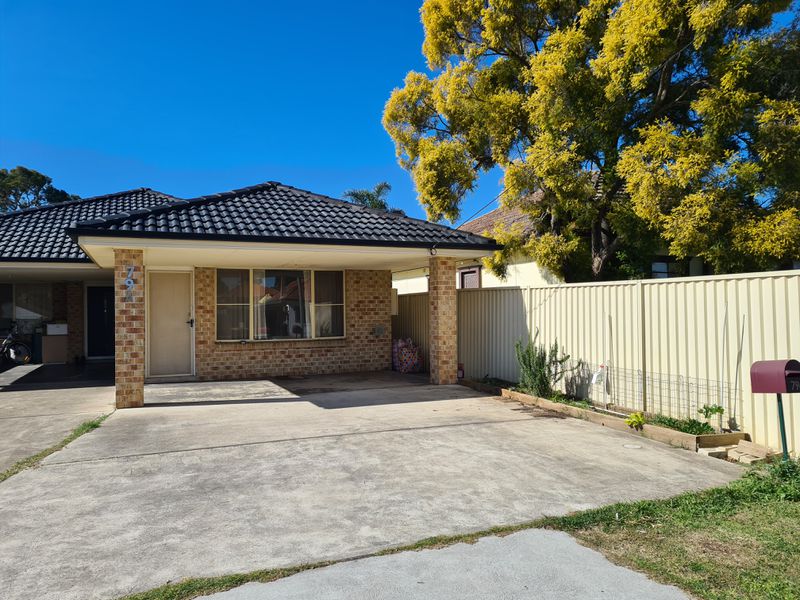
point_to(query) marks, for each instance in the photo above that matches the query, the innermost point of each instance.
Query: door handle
(190, 322)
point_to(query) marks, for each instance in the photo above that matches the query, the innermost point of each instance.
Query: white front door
(170, 323)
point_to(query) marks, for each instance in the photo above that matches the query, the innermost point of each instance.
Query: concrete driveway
(35, 415)
(309, 470)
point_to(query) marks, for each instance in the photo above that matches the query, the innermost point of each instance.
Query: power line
(472, 216)
(477, 212)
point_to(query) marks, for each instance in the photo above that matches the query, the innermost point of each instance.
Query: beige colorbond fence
(669, 346)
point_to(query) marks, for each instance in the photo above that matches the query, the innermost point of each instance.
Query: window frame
(15, 307)
(249, 303)
(251, 306)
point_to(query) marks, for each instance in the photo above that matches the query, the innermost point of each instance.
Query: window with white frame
(279, 304)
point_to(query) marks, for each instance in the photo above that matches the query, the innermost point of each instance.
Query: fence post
(643, 333)
(530, 312)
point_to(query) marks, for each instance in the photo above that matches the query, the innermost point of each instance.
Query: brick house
(262, 281)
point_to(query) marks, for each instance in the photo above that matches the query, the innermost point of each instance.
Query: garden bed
(653, 432)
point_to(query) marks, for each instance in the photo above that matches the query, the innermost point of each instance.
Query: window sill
(273, 341)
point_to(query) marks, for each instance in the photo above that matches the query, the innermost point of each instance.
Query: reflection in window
(282, 304)
(281, 308)
(33, 305)
(6, 306)
(233, 305)
(329, 303)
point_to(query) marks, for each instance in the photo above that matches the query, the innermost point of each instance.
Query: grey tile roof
(273, 212)
(39, 234)
(507, 217)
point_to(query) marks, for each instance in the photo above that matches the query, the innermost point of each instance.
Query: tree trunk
(603, 245)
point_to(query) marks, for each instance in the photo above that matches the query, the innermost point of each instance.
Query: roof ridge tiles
(182, 202)
(378, 211)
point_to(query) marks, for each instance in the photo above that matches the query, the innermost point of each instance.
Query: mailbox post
(776, 377)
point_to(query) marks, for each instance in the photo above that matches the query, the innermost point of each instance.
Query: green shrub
(540, 369)
(690, 426)
(709, 410)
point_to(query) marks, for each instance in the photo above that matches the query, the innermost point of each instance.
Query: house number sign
(129, 284)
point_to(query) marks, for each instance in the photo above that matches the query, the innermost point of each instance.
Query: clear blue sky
(198, 97)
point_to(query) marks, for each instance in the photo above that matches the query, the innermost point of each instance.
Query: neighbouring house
(523, 271)
(262, 281)
(470, 272)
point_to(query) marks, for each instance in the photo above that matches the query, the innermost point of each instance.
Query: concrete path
(32, 419)
(172, 491)
(533, 564)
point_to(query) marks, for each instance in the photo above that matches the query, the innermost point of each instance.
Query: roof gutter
(76, 232)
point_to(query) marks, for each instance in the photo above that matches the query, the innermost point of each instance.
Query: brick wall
(367, 310)
(129, 325)
(68, 308)
(443, 320)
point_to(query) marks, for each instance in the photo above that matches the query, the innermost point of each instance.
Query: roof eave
(75, 233)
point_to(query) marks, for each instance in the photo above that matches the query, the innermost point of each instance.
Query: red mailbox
(775, 377)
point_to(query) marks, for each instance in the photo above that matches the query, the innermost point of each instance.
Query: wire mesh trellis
(658, 393)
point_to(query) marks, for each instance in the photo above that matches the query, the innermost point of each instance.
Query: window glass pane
(34, 304)
(6, 305)
(233, 322)
(232, 286)
(329, 320)
(328, 287)
(281, 304)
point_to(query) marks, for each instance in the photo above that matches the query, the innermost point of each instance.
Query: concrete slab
(161, 493)
(208, 392)
(535, 564)
(33, 419)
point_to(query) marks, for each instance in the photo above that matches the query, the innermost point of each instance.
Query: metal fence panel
(668, 346)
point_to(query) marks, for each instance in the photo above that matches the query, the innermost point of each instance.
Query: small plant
(636, 421)
(709, 410)
(540, 369)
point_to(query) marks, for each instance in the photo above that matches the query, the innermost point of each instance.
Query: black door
(100, 321)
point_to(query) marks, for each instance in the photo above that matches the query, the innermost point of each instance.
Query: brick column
(129, 328)
(443, 318)
(74, 317)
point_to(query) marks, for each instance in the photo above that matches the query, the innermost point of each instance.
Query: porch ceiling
(42, 271)
(201, 253)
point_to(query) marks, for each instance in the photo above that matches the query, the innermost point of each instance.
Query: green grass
(737, 541)
(32, 461)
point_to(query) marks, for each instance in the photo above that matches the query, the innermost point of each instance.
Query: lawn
(738, 541)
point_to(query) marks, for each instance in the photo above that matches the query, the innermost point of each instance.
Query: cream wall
(670, 345)
(522, 272)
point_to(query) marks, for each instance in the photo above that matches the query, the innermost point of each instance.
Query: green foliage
(709, 410)
(374, 198)
(777, 480)
(21, 188)
(636, 421)
(540, 369)
(690, 426)
(621, 126)
(561, 398)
